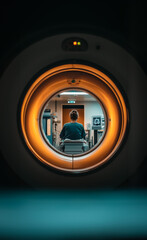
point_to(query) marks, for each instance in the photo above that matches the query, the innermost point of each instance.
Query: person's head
(74, 115)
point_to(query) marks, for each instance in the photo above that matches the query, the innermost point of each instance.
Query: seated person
(73, 130)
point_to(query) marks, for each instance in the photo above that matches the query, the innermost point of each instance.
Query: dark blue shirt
(72, 131)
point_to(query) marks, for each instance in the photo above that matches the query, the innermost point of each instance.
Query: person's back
(73, 131)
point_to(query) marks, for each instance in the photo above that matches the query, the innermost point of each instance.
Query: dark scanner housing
(110, 38)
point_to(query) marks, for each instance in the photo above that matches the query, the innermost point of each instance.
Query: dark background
(21, 24)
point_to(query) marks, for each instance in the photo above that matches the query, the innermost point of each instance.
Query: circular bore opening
(74, 77)
(73, 136)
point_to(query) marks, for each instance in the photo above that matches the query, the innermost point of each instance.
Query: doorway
(66, 109)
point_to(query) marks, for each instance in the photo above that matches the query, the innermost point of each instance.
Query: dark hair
(74, 115)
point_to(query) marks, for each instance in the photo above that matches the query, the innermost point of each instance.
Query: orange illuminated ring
(92, 80)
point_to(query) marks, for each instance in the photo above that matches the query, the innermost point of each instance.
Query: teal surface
(73, 214)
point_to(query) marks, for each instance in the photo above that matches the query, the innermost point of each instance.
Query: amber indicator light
(74, 44)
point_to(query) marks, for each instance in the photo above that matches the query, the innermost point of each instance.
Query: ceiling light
(74, 93)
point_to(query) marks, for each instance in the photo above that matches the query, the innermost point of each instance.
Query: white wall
(91, 108)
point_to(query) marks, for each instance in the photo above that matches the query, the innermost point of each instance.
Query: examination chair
(73, 146)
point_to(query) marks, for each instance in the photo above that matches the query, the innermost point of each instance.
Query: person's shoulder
(80, 124)
(66, 124)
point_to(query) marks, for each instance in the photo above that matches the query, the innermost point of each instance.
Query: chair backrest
(73, 146)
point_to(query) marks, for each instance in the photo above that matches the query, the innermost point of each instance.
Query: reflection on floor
(73, 215)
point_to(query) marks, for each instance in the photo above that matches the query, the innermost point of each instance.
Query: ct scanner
(82, 61)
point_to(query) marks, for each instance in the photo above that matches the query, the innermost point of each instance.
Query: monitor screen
(96, 122)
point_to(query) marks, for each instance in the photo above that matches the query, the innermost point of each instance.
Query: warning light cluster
(75, 43)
